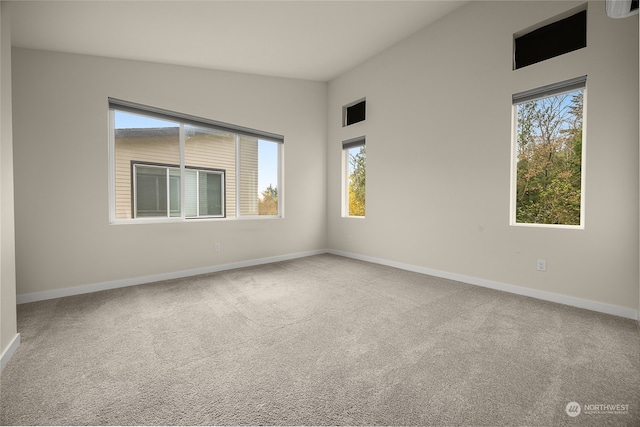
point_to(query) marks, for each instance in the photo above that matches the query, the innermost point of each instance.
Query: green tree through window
(549, 159)
(268, 203)
(357, 181)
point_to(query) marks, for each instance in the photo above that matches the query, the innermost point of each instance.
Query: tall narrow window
(548, 153)
(171, 165)
(354, 152)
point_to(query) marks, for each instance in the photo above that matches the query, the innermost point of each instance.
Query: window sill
(550, 226)
(190, 220)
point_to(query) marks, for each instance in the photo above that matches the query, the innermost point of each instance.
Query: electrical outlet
(217, 247)
(349, 238)
(541, 265)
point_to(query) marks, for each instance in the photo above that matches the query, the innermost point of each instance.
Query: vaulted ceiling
(313, 40)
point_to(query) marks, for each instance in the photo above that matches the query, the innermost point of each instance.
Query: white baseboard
(103, 286)
(8, 352)
(542, 295)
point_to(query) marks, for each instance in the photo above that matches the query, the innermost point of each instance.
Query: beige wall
(63, 235)
(8, 328)
(438, 135)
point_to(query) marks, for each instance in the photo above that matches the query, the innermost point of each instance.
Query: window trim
(550, 25)
(559, 88)
(359, 141)
(186, 119)
(346, 108)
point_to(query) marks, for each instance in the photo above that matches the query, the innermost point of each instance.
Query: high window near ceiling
(559, 37)
(172, 166)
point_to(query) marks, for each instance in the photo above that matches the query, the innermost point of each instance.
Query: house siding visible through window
(202, 150)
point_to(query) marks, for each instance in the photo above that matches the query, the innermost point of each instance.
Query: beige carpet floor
(322, 340)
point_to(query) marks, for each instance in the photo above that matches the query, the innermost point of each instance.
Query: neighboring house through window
(174, 166)
(156, 190)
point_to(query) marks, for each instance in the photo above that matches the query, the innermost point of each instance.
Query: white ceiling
(314, 40)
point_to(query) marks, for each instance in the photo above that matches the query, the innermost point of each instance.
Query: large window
(354, 181)
(548, 153)
(167, 165)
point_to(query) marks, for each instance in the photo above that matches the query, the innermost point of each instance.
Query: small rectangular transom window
(551, 40)
(354, 113)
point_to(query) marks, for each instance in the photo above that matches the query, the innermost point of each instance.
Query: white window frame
(345, 112)
(346, 146)
(566, 86)
(182, 119)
